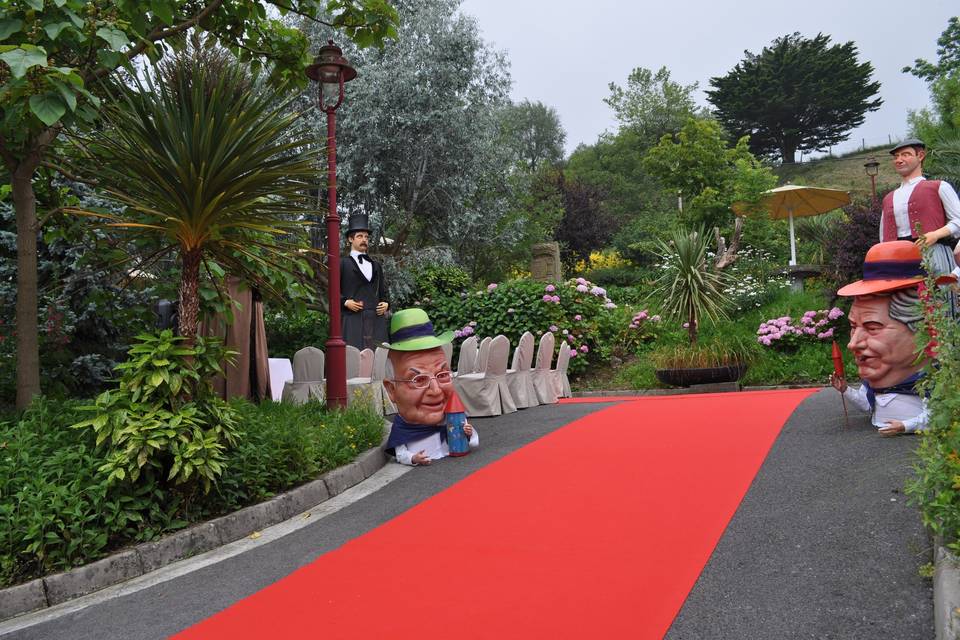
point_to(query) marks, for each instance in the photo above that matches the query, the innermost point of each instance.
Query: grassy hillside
(842, 172)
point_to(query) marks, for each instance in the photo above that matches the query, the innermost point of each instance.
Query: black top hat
(358, 222)
(909, 142)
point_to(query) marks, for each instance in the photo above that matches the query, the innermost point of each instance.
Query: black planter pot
(704, 375)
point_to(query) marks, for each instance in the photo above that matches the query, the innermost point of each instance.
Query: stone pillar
(545, 265)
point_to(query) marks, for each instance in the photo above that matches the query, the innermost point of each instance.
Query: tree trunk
(28, 338)
(692, 329)
(788, 153)
(21, 170)
(190, 294)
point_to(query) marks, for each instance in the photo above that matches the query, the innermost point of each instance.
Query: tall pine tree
(798, 94)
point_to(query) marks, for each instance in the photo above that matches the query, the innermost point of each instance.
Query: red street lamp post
(330, 69)
(872, 167)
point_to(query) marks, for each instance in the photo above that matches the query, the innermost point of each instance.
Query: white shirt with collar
(366, 267)
(901, 197)
(433, 447)
(909, 409)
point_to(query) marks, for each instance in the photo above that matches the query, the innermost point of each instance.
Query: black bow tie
(361, 257)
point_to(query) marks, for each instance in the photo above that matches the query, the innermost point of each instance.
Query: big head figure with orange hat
(884, 318)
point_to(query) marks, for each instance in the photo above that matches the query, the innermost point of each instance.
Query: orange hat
(889, 266)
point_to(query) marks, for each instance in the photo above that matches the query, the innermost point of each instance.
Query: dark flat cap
(909, 142)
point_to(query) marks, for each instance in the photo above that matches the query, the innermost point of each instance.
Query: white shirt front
(901, 198)
(432, 446)
(366, 267)
(909, 409)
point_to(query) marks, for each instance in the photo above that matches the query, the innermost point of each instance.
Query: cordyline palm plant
(690, 289)
(210, 168)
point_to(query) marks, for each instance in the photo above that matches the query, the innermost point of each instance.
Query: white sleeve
(404, 455)
(919, 422)
(951, 205)
(858, 397)
(474, 439)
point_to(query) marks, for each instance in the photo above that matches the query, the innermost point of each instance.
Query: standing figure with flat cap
(363, 290)
(884, 319)
(931, 204)
(421, 385)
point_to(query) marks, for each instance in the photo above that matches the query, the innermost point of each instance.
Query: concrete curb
(946, 594)
(697, 388)
(149, 556)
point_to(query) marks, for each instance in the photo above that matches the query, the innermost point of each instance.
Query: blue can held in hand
(456, 417)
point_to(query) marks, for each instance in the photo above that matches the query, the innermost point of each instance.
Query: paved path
(823, 545)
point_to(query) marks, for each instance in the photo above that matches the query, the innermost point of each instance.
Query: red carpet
(598, 530)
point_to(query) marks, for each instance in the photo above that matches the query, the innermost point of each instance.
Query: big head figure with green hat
(416, 357)
(421, 386)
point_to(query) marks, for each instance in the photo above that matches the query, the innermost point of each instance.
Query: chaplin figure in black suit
(363, 290)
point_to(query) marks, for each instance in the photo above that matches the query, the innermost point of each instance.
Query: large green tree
(419, 136)
(797, 94)
(53, 52)
(939, 126)
(532, 130)
(652, 105)
(710, 175)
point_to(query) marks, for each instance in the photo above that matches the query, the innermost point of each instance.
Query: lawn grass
(842, 172)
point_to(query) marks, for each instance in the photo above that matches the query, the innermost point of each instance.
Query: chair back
(308, 365)
(366, 363)
(498, 352)
(482, 354)
(379, 371)
(545, 351)
(353, 362)
(563, 357)
(468, 356)
(523, 354)
(447, 352)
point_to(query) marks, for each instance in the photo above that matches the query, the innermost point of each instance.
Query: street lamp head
(871, 166)
(329, 64)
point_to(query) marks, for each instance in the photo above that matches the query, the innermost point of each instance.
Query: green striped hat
(411, 330)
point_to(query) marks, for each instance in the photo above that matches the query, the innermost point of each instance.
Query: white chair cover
(487, 393)
(541, 373)
(353, 362)
(366, 363)
(561, 383)
(360, 388)
(468, 356)
(482, 355)
(447, 352)
(519, 378)
(380, 368)
(281, 371)
(308, 382)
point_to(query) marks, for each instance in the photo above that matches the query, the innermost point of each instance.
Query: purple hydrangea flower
(582, 288)
(549, 288)
(554, 328)
(584, 348)
(578, 317)
(491, 286)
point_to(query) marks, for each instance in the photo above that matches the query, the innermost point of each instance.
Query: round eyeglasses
(422, 380)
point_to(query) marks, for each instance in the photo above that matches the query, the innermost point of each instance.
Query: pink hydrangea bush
(784, 333)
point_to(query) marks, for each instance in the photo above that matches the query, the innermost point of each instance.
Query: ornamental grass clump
(813, 326)
(690, 289)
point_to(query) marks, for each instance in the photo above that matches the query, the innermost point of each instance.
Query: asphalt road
(824, 544)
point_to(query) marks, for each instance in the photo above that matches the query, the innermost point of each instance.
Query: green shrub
(572, 310)
(283, 445)
(58, 510)
(290, 330)
(433, 281)
(164, 418)
(936, 485)
(615, 276)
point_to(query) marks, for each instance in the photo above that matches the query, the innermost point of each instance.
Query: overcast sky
(564, 53)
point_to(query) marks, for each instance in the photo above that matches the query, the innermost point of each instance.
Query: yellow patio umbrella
(793, 200)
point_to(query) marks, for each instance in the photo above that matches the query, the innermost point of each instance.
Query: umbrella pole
(793, 240)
